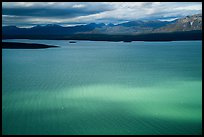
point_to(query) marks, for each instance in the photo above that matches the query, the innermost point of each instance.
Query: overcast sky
(25, 14)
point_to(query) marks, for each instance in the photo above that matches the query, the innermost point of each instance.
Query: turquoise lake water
(103, 88)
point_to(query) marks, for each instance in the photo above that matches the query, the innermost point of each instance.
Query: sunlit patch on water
(96, 104)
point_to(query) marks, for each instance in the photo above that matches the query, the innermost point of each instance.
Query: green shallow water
(103, 88)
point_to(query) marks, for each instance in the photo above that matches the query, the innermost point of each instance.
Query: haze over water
(93, 87)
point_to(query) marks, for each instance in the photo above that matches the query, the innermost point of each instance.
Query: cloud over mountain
(65, 13)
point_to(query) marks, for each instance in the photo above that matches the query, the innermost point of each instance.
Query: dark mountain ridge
(190, 26)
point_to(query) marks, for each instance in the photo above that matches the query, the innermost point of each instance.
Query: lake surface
(103, 88)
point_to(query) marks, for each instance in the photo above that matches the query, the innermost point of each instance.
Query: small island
(15, 45)
(72, 42)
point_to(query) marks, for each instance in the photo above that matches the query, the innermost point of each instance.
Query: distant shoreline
(16, 45)
(171, 36)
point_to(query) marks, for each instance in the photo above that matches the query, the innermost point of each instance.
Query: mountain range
(187, 28)
(189, 23)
